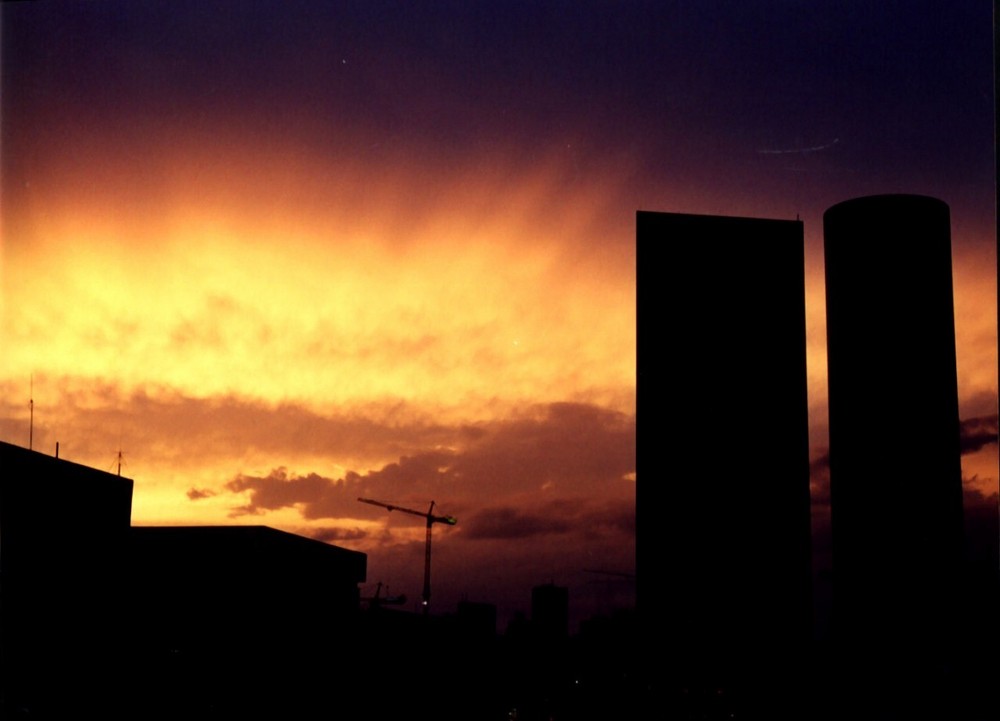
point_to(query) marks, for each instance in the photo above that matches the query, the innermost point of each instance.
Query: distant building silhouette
(723, 501)
(477, 620)
(895, 468)
(550, 611)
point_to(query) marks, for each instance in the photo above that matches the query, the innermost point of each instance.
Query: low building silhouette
(96, 614)
(241, 587)
(550, 612)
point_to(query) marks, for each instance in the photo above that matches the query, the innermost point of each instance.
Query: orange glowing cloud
(231, 278)
(216, 312)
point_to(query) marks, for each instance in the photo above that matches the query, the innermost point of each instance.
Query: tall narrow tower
(724, 457)
(896, 483)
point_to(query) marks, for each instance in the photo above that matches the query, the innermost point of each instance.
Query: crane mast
(431, 520)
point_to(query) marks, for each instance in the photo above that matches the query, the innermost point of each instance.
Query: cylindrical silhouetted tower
(895, 469)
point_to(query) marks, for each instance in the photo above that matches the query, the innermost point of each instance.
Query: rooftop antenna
(31, 413)
(120, 458)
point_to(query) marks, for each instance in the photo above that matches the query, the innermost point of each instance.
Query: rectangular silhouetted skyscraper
(723, 504)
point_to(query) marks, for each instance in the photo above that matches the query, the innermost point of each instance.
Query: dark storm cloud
(588, 517)
(571, 446)
(978, 432)
(612, 517)
(689, 87)
(455, 74)
(447, 74)
(334, 535)
(279, 490)
(319, 497)
(592, 519)
(508, 523)
(566, 451)
(103, 418)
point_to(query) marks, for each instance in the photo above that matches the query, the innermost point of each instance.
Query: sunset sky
(285, 254)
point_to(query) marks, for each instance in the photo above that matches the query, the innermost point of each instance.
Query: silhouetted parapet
(896, 488)
(723, 501)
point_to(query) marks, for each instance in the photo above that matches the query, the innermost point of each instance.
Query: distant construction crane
(431, 520)
(378, 600)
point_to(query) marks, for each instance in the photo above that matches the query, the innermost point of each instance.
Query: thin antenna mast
(120, 459)
(120, 454)
(31, 413)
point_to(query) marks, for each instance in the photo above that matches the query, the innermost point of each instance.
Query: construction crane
(378, 600)
(431, 520)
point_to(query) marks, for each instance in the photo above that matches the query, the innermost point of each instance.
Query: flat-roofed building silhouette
(244, 602)
(63, 534)
(895, 468)
(723, 459)
(96, 614)
(285, 587)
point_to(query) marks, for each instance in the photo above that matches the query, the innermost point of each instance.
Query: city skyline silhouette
(273, 257)
(735, 569)
(254, 304)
